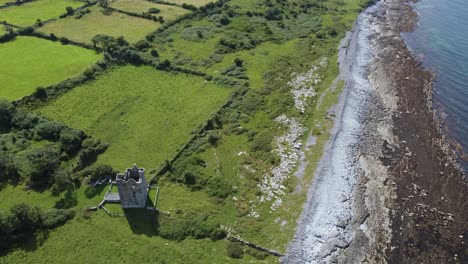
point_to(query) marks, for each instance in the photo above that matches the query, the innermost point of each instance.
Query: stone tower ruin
(132, 186)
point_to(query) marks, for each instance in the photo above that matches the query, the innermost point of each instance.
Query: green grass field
(192, 2)
(145, 114)
(27, 14)
(139, 6)
(94, 23)
(105, 239)
(29, 62)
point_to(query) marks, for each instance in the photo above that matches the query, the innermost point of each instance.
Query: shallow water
(441, 41)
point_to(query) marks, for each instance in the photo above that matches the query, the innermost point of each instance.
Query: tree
(224, 20)
(238, 62)
(70, 10)
(104, 4)
(44, 163)
(49, 130)
(154, 10)
(234, 250)
(70, 140)
(7, 111)
(26, 219)
(8, 168)
(154, 53)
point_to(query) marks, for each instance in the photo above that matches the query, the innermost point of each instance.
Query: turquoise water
(441, 41)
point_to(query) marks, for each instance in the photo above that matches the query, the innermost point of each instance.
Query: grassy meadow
(29, 62)
(144, 114)
(94, 23)
(106, 239)
(168, 12)
(27, 13)
(147, 115)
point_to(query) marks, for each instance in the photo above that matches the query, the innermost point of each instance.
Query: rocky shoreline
(388, 189)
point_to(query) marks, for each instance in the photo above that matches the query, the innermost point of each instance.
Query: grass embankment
(29, 62)
(96, 22)
(27, 13)
(144, 114)
(168, 12)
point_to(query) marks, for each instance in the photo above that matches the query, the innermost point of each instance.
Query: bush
(69, 10)
(218, 187)
(22, 222)
(154, 10)
(7, 111)
(189, 7)
(234, 250)
(57, 217)
(99, 172)
(260, 255)
(44, 163)
(70, 140)
(154, 53)
(224, 20)
(22, 120)
(49, 130)
(8, 168)
(68, 201)
(142, 44)
(262, 142)
(273, 13)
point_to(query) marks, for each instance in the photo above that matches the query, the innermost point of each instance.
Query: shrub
(99, 172)
(40, 93)
(262, 142)
(7, 111)
(234, 250)
(49, 130)
(218, 187)
(142, 44)
(8, 168)
(44, 163)
(154, 53)
(189, 7)
(224, 20)
(154, 10)
(22, 222)
(273, 13)
(69, 10)
(68, 201)
(22, 120)
(57, 217)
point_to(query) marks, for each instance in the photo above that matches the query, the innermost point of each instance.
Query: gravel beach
(388, 188)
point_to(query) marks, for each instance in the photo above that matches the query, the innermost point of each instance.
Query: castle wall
(132, 194)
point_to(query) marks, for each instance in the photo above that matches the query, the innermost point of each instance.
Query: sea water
(440, 40)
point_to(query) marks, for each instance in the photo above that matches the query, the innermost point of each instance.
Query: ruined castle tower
(132, 186)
